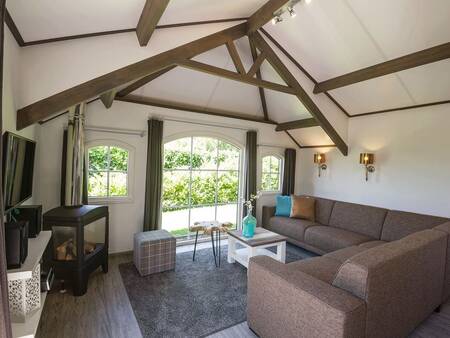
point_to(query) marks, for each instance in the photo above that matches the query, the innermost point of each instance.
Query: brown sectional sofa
(382, 272)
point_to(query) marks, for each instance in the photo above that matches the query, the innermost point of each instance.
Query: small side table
(209, 228)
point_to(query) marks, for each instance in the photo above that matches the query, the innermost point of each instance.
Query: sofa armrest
(285, 302)
(267, 213)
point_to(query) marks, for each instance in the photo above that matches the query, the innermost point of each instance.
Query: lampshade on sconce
(367, 159)
(320, 160)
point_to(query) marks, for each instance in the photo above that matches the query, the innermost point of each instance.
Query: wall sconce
(367, 160)
(320, 160)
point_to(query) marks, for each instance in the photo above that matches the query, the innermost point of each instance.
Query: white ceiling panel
(45, 19)
(376, 94)
(200, 10)
(404, 26)
(285, 107)
(311, 136)
(428, 83)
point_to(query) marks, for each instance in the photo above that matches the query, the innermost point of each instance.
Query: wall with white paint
(412, 163)
(11, 75)
(127, 218)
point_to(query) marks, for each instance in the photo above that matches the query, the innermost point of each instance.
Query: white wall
(11, 74)
(127, 218)
(412, 163)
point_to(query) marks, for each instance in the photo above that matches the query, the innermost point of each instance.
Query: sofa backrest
(401, 282)
(324, 207)
(399, 224)
(358, 218)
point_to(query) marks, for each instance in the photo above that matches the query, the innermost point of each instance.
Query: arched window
(271, 173)
(201, 183)
(108, 169)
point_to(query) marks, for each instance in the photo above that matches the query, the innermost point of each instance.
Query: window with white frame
(108, 169)
(271, 173)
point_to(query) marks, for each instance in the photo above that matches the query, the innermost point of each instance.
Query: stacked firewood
(67, 250)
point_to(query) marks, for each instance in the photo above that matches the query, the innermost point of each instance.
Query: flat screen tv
(18, 165)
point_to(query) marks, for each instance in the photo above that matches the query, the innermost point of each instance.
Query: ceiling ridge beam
(225, 73)
(150, 16)
(256, 65)
(264, 14)
(231, 47)
(423, 57)
(262, 94)
(120, 31)
(44, 108)
(301, 94)
(154, 102)
(298, 124)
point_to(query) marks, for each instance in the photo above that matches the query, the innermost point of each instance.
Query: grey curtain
(250, 167)
(290, 156)
(153, 181)
(74, 176)
(5, 321)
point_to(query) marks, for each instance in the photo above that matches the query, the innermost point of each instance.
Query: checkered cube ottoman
(154, 251)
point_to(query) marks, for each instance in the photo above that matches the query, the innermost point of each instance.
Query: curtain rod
(135, 132)
(272, 146)
(206, 124)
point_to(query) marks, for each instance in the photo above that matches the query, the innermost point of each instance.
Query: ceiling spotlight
(292, 12)
(308, 1)
(276, 19)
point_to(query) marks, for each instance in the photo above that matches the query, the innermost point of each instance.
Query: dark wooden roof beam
(301, 94)
(152, 12)
(154, 102)
(83, 92)
(217, 71)
(298, 124)
(235, 57)
(416, 59)
(264, 14)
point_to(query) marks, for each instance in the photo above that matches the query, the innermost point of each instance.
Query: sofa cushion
(323, 210)
(283, 206)
(342, 255)
(303, 207)
(329, 238)
(290, 227)
(358, 218)
(399, 224)
(371, 244)
(322, 268)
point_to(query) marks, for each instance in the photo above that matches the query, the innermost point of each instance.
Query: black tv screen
(18, 165)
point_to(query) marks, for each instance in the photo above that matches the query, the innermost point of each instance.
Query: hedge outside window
(108, 172)
(271, 173)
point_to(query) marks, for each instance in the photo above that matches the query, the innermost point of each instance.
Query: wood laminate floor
(105, 311)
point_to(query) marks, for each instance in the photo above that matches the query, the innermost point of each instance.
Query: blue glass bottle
(248, 224)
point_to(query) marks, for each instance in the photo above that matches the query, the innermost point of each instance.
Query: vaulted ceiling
(326, 38)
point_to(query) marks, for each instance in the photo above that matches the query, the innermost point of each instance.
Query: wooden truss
(120, 83)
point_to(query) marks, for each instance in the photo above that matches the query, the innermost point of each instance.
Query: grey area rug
(196, 299)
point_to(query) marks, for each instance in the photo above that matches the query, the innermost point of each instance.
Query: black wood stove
(79, 241)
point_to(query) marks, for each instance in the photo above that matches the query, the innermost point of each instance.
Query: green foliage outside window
(213, 178)
(270, 177)
(108, 171)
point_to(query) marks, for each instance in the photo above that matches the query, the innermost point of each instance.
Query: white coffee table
(241, 249)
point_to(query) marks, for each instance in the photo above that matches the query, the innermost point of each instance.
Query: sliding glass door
(201, 183)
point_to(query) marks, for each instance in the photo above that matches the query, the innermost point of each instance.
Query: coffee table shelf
(241, 249)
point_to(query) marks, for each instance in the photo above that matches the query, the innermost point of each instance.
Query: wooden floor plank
(105, 311)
